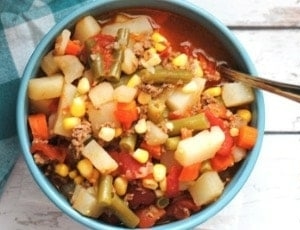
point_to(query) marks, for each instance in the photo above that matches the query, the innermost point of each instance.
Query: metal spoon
(289, 91)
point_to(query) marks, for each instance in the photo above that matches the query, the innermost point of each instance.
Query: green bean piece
(105, 190)
(95, 60)
(162, 75)
(162, 202)
(122, 41)
(123, 212)
(197, 123)
(128, 143)
(171, 143)
(156, 110)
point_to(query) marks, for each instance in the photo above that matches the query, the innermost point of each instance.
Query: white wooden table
(270, 31)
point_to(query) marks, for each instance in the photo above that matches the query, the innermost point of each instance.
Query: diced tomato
(154, 150)
(149, 216)
(128, 166)
(227, 145)
(215, 121)
(49, 151)
(220, 163)
(173, 181)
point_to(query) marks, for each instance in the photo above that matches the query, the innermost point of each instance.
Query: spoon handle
(289, 91)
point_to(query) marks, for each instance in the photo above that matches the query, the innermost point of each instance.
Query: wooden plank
(254, 13)
(275, 55)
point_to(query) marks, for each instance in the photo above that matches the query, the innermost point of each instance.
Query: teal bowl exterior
(202, 17)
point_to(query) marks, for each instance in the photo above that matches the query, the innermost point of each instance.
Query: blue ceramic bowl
(204, 19)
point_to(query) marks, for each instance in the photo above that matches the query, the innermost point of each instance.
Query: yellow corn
(234, 132)
(213, 91)
(245, 114)
(70, 122)
(163, 184)
(134, 81)
(159, 172)
(85, 167)
(180, 61)
(78, 179)
(154, 59)
(107, 133)
(118, 132)
(73, 174)
(83, 85)
(77, 107)
(62, 169)
(120, 185)
(158, 38)
(149, 183)
(141, 155)
(141, 126)
(159, 47)
(93, 178)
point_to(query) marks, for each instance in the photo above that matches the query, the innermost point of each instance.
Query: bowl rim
(58, 199)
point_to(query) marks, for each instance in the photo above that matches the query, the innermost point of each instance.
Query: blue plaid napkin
(22, 25)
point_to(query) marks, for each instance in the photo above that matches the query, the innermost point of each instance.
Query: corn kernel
(163, 184)
(73, 174)
(77, 107)
(78, 179)
(157, 37)
(154, 60)
(94, 176)
(119, 131)
(213, 91)
(234, 132)
(180, 61)
(120, 185)
(134, 81)
(245, 114)
(159, 172)
(149, 183)
(141, 126)
(141, 155)
(70, 122)
(62, 169)
(158, 193)
(83, 85)
(159, 47)
(85, 167)
(190, 87)
(107, 133)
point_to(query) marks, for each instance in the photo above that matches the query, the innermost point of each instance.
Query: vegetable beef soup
(131, 121)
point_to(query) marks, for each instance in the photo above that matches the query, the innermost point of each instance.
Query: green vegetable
(123, 212)
(162, 202)
(156, 110)
(105, 190)
(197, 123)
(122, 40)
(127, 143)
(162, 75)
(171, 143)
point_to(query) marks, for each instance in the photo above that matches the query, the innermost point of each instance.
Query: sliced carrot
(247, 137)
(220, 163)
(49, 151)
(38, 125)
(126, 114)
(73, 48)
(190, 173)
